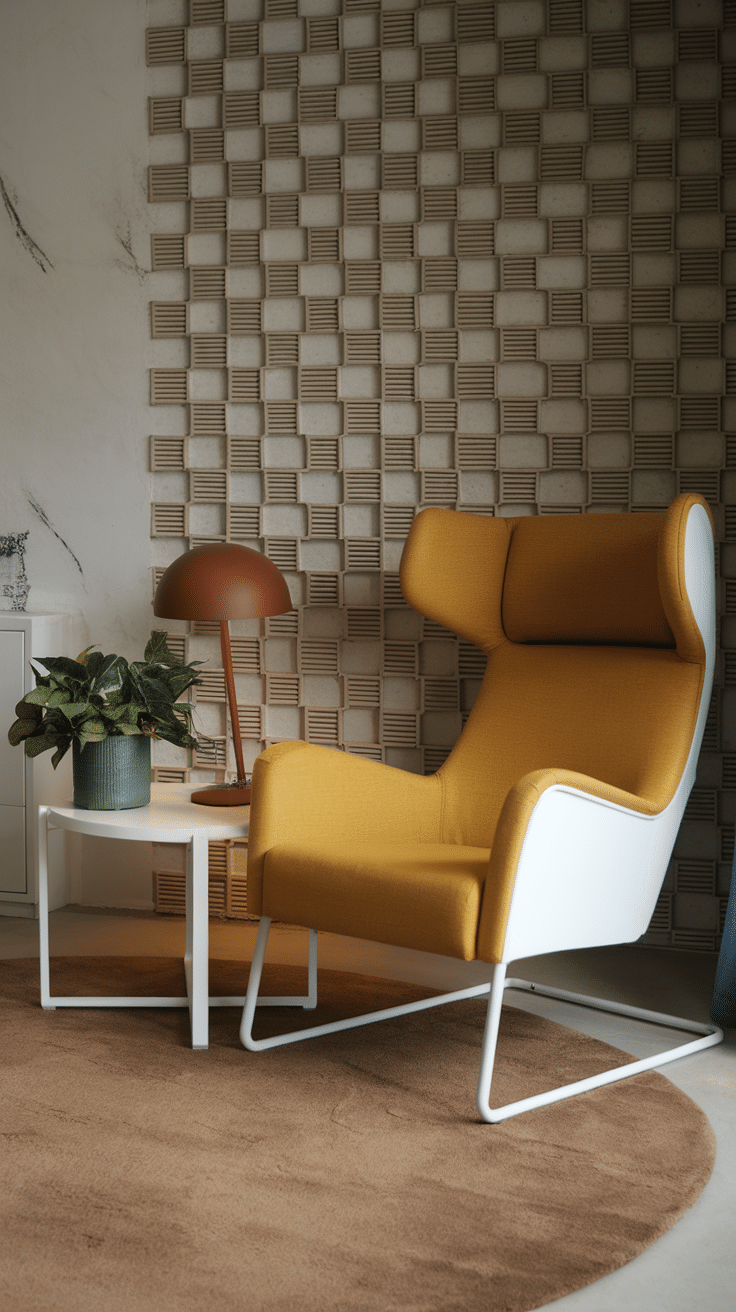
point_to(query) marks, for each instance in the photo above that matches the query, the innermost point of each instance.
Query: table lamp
(223, 581)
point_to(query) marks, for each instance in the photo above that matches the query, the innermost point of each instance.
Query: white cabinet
(25, 783)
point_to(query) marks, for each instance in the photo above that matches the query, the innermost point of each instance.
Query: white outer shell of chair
(556, 905)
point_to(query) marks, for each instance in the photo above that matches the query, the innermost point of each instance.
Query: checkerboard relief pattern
(477, 255)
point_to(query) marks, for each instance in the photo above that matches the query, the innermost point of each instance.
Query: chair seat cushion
(424, 896)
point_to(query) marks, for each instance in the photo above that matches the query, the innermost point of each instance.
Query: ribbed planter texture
(114, 775)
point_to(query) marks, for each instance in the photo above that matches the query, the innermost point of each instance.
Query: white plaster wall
(74, 415)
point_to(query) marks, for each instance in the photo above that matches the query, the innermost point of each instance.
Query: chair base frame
(710, 1035)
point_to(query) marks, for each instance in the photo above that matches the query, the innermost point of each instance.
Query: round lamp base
(237, 794)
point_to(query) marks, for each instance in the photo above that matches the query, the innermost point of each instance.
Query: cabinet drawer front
(12, 849)
(12, 759)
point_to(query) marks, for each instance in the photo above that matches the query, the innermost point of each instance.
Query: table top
(170, 818)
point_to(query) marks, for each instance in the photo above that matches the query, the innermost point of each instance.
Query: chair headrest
(586, 579)
(610, 580)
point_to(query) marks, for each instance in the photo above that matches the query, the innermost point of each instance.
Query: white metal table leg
(43, 907)
(196, 960)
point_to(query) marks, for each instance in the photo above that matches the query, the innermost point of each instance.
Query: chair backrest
(596, 660)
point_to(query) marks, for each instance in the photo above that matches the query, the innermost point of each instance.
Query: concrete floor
(694, 1264)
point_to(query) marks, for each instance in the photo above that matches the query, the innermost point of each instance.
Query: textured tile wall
(476, 255)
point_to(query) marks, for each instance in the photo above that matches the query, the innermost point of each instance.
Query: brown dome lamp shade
(223, 581)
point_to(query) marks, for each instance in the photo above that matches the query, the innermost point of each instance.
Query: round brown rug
(346, 1174)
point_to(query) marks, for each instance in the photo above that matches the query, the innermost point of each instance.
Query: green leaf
(27, 711)
(35, 746)
(61, 752)
(64, 666)
(92, 662)
(175, 726)
(96, 736)
(127, 713)
(94, 730)
(58, 697)
(109, 675)
(158, 653)
(38, 696)
(21, 729)
(83, 657)
(151, 690)
(74, 710)
(42, 680)
(128, 730)
(157, 649)
(180, 682)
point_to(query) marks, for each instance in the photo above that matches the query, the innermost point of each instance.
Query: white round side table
(170, 818)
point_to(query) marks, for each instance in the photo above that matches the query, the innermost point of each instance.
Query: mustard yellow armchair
(551, 824)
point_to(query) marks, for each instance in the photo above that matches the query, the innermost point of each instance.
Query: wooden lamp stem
(237, 793)
(227, 665)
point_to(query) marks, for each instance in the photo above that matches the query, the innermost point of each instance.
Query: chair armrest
(575, 862)
(302, 792)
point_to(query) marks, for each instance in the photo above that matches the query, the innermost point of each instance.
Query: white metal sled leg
(315, 1031)
(308, 1002)
(711, 1035)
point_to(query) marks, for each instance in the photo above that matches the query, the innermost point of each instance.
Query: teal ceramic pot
(114, 775)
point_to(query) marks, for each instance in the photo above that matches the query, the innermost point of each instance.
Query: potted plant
(107, 711)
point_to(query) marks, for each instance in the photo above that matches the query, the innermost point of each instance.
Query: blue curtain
(723, 1007)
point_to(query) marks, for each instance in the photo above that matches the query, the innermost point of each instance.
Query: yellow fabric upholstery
(595, 667)
(399, 893)
(452, 570)
(595, 583)
(308, 794)
(624, 716)
(671, 571)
